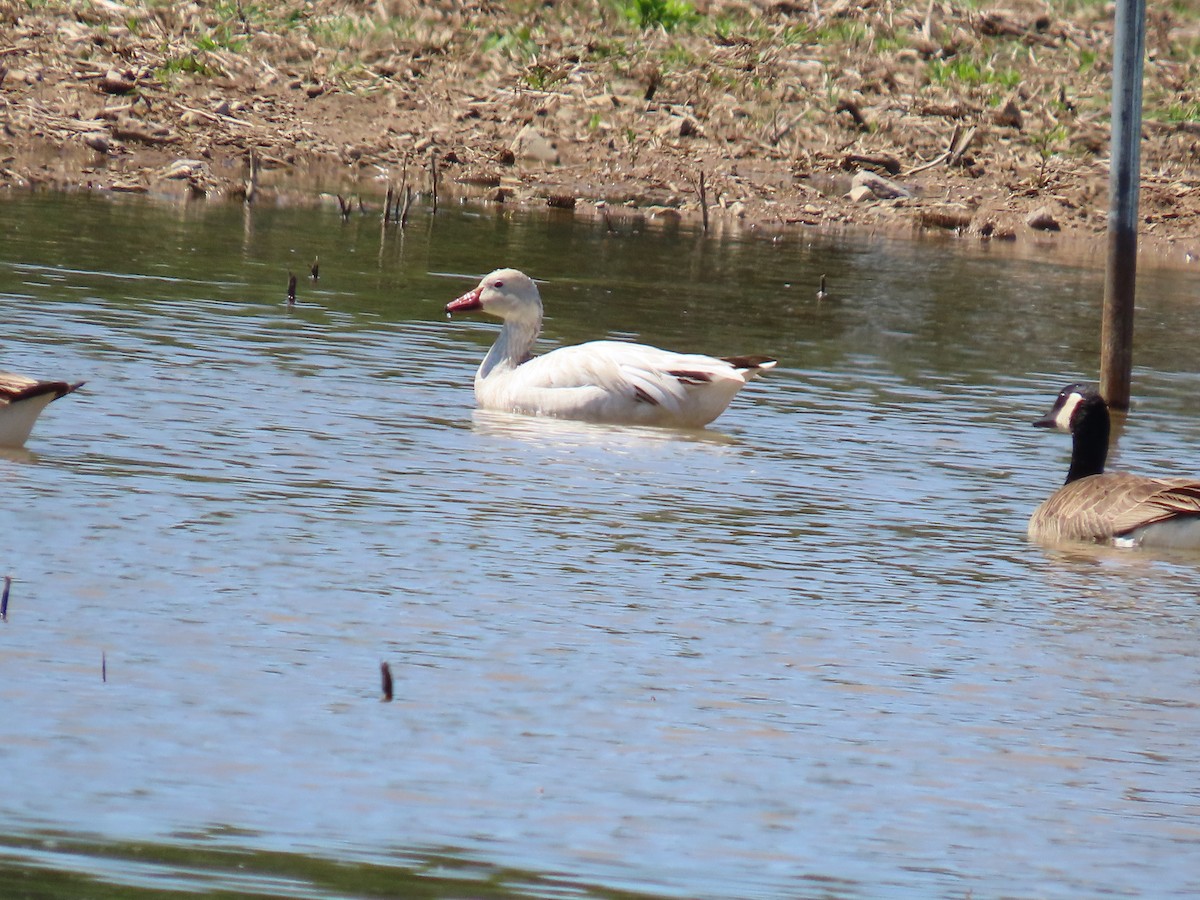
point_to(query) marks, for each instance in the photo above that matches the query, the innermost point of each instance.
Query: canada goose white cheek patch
(1062, 421)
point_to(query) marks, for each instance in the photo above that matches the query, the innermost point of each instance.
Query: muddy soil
(983, 120)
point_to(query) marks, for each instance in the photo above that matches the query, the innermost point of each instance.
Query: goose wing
(615, 381)
(15, 387)
(1157, 500)
(1108, 506)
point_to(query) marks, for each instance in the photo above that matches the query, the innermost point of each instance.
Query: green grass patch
(842, 32)
(342, 31)
(885, 43)
(540, 77)
(962, 71)
(519, 44)
(665, 14)
(1183, 112)
(188, 64)
(678, 57)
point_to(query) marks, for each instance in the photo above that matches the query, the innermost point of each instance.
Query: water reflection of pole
(1116, 332)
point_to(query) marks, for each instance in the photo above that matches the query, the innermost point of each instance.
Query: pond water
(805, 652)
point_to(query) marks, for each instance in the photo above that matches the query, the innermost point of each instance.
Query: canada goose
(615, 382)
(822, 294)
(1115, 507)
(22, 400)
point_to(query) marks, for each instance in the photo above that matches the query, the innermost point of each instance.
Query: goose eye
(497, 284)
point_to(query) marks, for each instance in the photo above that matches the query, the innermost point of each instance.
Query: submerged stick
(386, 673)
(4, 599)
(252, 176)
(703, 200)
(433, 171)
(103, 666)
(407, 204)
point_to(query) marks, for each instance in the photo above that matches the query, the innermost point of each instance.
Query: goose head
(506, 294)
(1080, 411)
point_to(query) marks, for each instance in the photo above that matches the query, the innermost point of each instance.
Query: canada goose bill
(1110, 507)
(22, 400)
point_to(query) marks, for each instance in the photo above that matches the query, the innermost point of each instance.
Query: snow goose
(22, 400)
(613, 382)
(1110, 507)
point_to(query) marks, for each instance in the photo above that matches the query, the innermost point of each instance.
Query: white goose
(601, 381)
(22, 400)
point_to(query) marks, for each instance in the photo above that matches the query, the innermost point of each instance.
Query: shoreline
(984, 127)
(1071, 248)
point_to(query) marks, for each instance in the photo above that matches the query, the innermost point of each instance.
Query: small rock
(948, 217)
(870, 186)
(532, 144)
(1009, 115)
(665, 213)
(678, 127)
(861, 192)
(1042, 219)
(115, 82)
(184, 168)
(98, 141)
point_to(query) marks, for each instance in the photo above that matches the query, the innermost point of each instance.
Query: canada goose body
(1110, 507)
(613, 382)
(22, 400)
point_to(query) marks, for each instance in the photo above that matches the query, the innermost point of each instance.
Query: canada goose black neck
(1089, 438)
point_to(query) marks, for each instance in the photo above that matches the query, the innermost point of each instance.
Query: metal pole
(1116, 331)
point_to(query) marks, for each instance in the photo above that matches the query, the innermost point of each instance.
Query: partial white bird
(22, 400)
(1110, 507)
(613, 382)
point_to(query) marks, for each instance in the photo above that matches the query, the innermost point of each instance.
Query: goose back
(1118, 506)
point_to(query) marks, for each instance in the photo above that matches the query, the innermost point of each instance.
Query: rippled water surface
(806, 652)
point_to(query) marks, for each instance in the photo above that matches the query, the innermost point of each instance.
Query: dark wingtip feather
(750, 362)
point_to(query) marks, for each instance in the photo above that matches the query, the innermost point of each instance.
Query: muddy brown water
(807, 652)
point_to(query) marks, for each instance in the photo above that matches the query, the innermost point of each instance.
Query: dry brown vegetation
(980, 118)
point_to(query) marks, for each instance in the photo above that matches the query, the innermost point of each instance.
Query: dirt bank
(987, 121)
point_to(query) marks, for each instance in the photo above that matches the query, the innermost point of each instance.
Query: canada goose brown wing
(14, 387)
(1157, 500)
(1104, 507)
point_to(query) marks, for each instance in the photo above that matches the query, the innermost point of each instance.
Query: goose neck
(1089, 443)
(513, 347)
